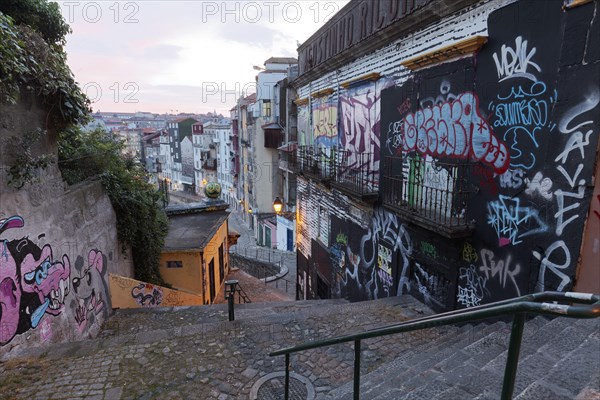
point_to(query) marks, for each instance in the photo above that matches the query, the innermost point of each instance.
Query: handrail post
(357, 369)
(287, 376)
(512, 361)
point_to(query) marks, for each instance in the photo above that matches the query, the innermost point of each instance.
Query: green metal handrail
(537, 303)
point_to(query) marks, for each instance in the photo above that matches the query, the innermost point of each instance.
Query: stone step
(404, 365)
(463, 367)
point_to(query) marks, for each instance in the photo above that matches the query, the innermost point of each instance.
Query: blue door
(290, 240)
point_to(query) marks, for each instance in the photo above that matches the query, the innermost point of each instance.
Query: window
(266, 111)
(174, 264)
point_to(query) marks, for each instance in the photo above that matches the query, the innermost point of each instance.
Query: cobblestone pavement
(247, 247)
(195, 353)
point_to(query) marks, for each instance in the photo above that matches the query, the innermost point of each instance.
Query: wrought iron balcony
(430, 193)
(350, 172)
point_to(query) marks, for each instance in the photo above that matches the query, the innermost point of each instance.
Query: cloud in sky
(171, 55)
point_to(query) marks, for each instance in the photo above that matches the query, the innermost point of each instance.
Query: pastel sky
(182, 56)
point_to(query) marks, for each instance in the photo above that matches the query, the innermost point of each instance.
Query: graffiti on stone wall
(147, 295)
(386, 229)
(33, 284)
(324, 117)
(89, 276)
(36, 285)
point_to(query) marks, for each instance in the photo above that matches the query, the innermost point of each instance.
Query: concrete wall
(57, 246)
(533, 93)
(129, 293)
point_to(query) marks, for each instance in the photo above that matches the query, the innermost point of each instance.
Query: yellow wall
(187, 278)
(194, 276)
(211, 252)
(129, 293)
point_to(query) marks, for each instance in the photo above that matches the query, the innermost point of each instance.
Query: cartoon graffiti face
(87, 284)
(48, 279)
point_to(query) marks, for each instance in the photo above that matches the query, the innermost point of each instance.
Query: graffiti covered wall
(522, 115)
(130, 293)
(324, 121)
(527, 124)
(56, 249)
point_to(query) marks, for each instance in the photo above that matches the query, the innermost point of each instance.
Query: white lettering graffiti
(513, 63)
(474, 289)
(553, 266)
(539, 185)
(576, 141)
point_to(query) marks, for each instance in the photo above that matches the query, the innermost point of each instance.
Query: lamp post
(277, 205)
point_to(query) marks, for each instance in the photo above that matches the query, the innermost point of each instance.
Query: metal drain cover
(272, 387)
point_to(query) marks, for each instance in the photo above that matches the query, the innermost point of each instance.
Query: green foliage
(26, 165)
(141, 222)
(40, 15)
(31, 63)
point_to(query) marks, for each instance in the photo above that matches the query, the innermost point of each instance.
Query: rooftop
(192, 225)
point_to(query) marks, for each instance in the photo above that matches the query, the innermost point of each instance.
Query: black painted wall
(523, 114)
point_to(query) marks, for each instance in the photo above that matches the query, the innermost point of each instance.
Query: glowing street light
(277, 205)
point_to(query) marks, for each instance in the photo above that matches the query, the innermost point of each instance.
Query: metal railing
(355, 172)
(427, 191)
(242, 295)
(538, 303)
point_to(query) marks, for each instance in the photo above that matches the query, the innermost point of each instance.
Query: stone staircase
(195, 353)
(560, 359)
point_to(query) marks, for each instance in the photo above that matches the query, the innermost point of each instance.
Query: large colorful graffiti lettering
(324, 114)
(359, 126)
(453, 128)
(35, 285)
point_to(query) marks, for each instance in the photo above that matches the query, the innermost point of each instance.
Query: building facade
(452, 160)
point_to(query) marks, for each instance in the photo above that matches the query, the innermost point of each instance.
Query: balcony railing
(348, 171)
(431, 193)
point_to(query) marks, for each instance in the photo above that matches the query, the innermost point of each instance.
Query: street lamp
(277, 205)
